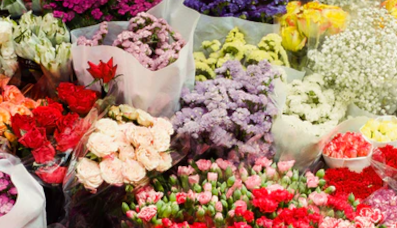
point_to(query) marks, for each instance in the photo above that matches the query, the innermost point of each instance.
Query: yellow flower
(204, 69)
(235, 35)
(293, 7)
(312, 23)
(391, 6)
(214, 45)
(199, 56)
(292, 39)
(337, 18)
(256, 56)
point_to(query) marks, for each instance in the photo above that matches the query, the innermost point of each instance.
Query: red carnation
(34, 138)
(249, 216)
(65, 89)
(21, 123)
(82, 101)
(52, 175)
(44, 153)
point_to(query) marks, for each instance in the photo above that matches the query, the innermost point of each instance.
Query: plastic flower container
(354, 164)
(376, 143)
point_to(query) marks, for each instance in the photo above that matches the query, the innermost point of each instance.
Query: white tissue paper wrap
(157, 92)
(29, 209)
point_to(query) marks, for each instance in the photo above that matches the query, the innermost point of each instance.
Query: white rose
(148, 157)
(161, 139)
(144, 118)
(111, 171)
(7, 50)
(129, 112)
(164, 125)
(107, 126)
(139, 136)
(5, 31)
(89, 174)
(126, 152)
(101, 144)
(166, 162)
(133, 171)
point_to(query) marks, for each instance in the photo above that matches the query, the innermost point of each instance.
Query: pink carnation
(204, 165)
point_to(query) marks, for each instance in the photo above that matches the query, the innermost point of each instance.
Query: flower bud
(174, 209)
(219, 218)
(320, 173)
(351, 198)
(211, 210)
(223, 187)
(295, 176)
(173, 197)
(166, 211)
(245, 199)
(321, 182)
(129, 188)
(237, 194)
(200, 212)
(159, 204)
(131, 214)
(231, 181)
(224, 204)
(244, 190)
(125, 207)
(197, 188)
(331, 213)
(173, 180)
(356, 203)
(228, 172)
(215, 191)
(133, 206)
(286, 180)
(330, 190)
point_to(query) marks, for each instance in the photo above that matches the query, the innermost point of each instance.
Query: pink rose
(185, 170)
(312, 181)
(139, 136)
(89, 174)
(161, 139)
(253, 182)
(131, 214)
(204, 197)
(191, 195)
(231, 213)
(242, 205)
(303, 201)
(133, 171)
(270, 171)
(101, 145)
(147, 213)
(313, 209)
(218, 206)
(274, 187)
(194, 179)
(165, 163)
(162, 123)
(289, 174)
(223, 164)
(208, 187)
(284, 166)
(107, 126)
(214, 166)
(148, 157)
(126, 152)
(212, 176)
(181, 197)
(319, 199)
(263, 162)
(257, 168)
(243, 172)
(329, 222)
(204, 165)
(111, 171)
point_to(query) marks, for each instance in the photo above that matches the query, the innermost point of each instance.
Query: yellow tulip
(312, 23)
(337, 18)
(292, 39)
(293, 7)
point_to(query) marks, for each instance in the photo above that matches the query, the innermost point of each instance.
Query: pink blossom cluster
(8, 194)
(151, 40)
(97, 38)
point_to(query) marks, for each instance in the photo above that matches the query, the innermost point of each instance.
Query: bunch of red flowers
(347, 145)
(360, 184)
(269, 202)
(78, 99)
(297, 217)
(387, 155)
(167, 223)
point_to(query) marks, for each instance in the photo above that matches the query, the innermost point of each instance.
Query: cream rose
(107, 126)
(161, 123)
(144, 118)
(129, 112)
(101, 144)
(148, 157)
(139, 136)
(111, 171)
(5, 31)
(89, 174)
(165, 163)
(161, 139)
(133, 171)
(126, 151)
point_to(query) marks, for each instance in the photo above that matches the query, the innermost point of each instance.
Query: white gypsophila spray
(351, 5)
(360, 64)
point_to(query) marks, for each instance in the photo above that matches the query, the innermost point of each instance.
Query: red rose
(34, 138)
(44, 153)
(147, 213)
(47, 116)
(82, 101)
(21, 123)
(52, 175)
(65, 89)
(69, 138)
(103, 71)
(67, 121)
(166, 222)
(181, 197)
(53, 104)
(249, 216)
(198, 225)
(264, 222)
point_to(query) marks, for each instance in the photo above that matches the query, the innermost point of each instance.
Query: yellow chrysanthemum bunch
(236, 48)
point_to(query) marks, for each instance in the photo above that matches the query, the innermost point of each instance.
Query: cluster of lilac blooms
(8, 194)
(254, 10)
(233, 112)
(151, 40)
(385, 200)
(97, 11)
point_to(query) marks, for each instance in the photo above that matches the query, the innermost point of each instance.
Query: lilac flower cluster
(253, 10)
(8, 194)
(89, 12)
(97, 38)
(385, 200)
(233, 111)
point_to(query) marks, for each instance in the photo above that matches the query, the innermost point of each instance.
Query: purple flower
(4, 184)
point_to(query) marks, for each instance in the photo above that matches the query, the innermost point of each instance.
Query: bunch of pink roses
(124, 148)
(151, 40)
(8, 194)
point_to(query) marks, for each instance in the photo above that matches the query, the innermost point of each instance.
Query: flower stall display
(385, 201)
(22, 200)
(8, 58)
(261, 11)
(232, 111)
(351, 5)
(380, 131)
(343, 60)
(235, 47)
(384, 162)
(156, 60)
(78, 14)
(218, 194)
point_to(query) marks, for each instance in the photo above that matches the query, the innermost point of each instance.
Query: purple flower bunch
(253, 10)
(385, 200)
(88, 12)
(233, 111)
(8, 194)
(151, 40)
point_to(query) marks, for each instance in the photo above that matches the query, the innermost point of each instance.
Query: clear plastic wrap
(156, 92)
(15, 8)
(29, 209)
(386, 172)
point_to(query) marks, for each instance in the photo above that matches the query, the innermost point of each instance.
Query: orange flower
(29, 103)
(5, 118)
(7, 105)
(12, 94)
(20, 109)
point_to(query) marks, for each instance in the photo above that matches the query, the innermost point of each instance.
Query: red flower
(181, 197)
(281, 196)
(70, 136)
(65, 89)
(264, 222)
(44, 153)
(103, 71)
(67, 121)
(34, 138)
(52, 175)
(47, 116)
(249, 216)
(21, 123)
(82, 101)
(198, 225)
(240, 225)
(297, 217)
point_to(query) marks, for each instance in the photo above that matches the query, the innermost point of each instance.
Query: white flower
(89, 174)
(5, 32)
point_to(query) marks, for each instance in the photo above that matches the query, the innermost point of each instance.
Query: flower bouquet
(380, 131)
(231, 112)
(175, 67)
(17, 190)
(122, 150)
(8, 58)
(384, 163)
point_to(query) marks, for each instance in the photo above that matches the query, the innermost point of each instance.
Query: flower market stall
(198, 114)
